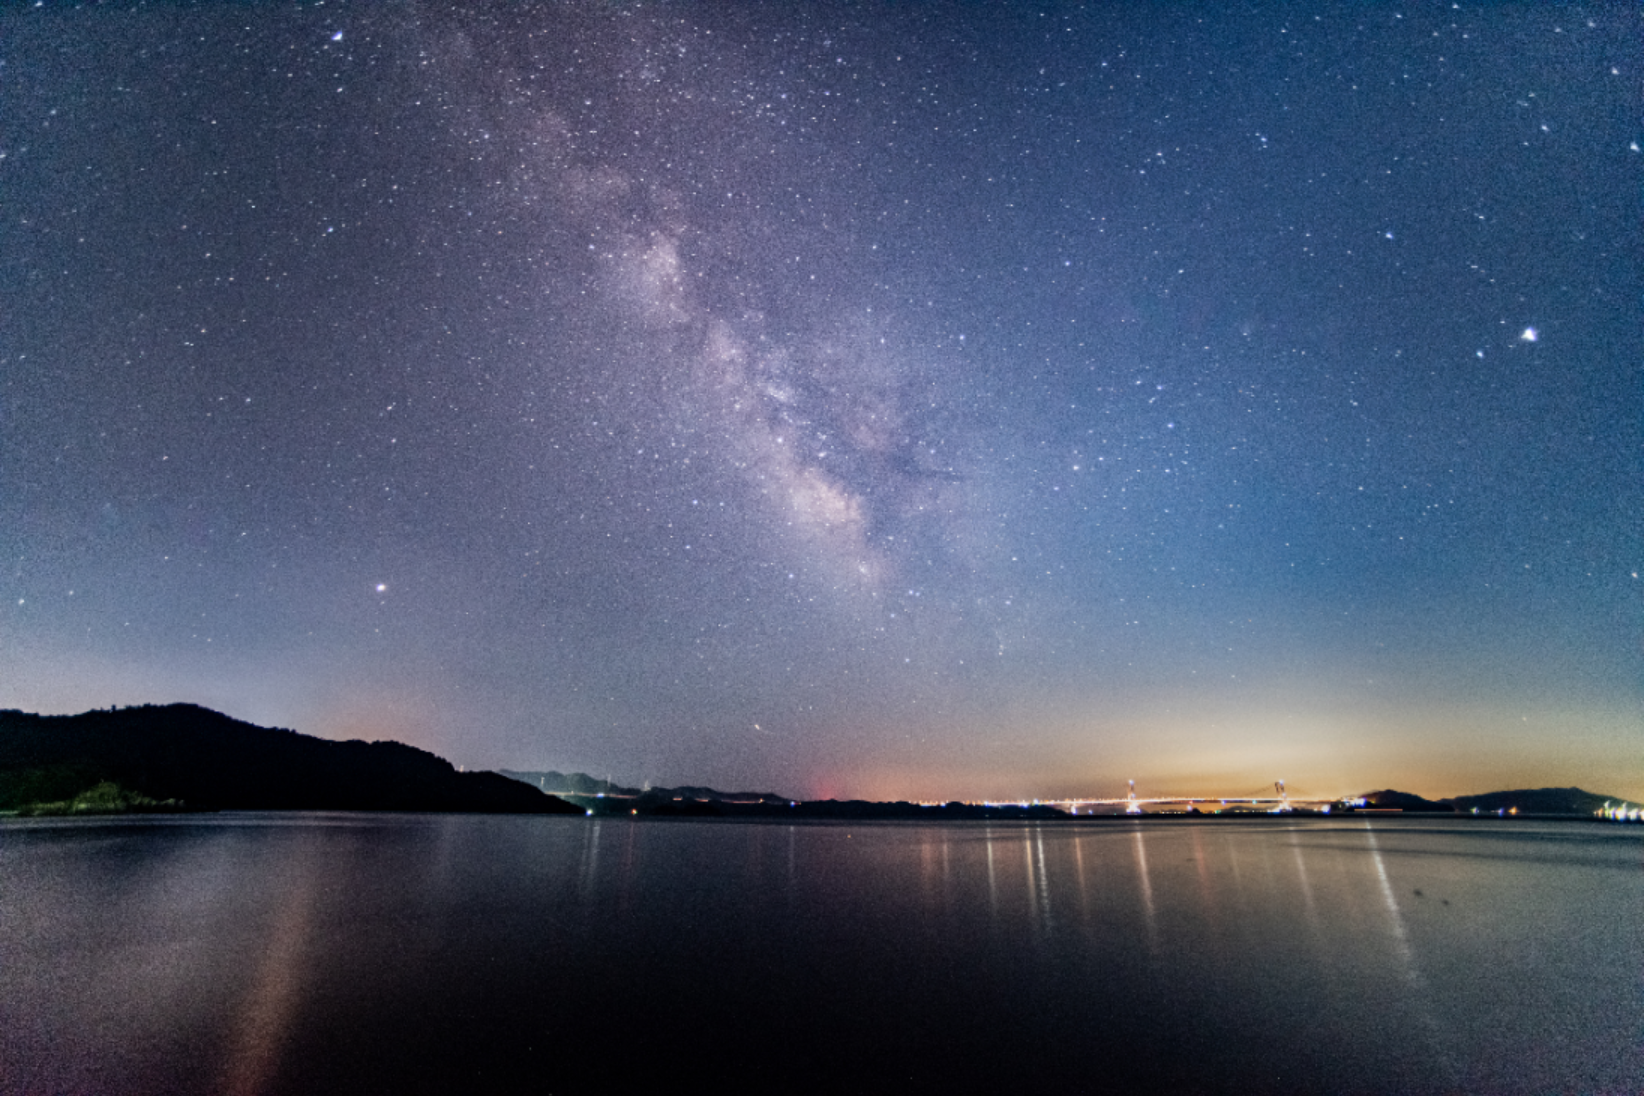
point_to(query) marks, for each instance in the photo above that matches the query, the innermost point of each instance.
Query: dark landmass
(583, 790)
(563, 784)
(1538, 802)
(184, 757)
(823, 809)
(581, 785)
(1388, 799)
(603, 798)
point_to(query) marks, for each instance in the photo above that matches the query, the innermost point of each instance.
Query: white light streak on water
(1043, 878)
(1028, 877)
(1437, 1039)
(1306, 886)
(590, 863)
(1401, 938)
(1079, 866)
(993, 885)
(1310, 912)
(1147, 890)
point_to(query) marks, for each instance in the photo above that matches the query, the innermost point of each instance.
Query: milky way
(843, 401)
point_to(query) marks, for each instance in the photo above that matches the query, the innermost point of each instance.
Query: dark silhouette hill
(584, 786)
(1537, 801)
(601, 797)
(1388, 799)
(1558, 802)
(558, 783)
(209, 761)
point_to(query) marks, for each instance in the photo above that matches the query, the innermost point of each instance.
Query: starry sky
(838, 399)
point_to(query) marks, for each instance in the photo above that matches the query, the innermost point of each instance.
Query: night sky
(856, 399)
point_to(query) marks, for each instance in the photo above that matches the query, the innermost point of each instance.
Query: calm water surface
(248, 953)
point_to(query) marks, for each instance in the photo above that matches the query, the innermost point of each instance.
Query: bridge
(1279, 801)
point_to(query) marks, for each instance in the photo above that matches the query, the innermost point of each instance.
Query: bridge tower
(1133, 807)
(1284, 798)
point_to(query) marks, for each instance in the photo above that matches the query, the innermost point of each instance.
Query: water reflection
(1322, 953)
(1401, 938)
(1038, 886)
(420, 953)
(1043, 878)
(1079, 870)
(1145, 879)
(1306, 887)
(1436, 1039)
(993, 882)
(589, 869)
(792, 869)
(276, 988)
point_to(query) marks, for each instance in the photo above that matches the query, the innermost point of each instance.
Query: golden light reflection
(266, 1014)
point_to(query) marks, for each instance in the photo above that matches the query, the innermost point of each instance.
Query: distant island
(600, 798)
(183, 757)
(1540, 802)
(603, 798)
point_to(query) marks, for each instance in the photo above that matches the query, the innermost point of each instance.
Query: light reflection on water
(1438, 1040)
(274, 994)
(349, 953)
(1146, 886)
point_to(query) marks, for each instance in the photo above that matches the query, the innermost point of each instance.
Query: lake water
(261, 953)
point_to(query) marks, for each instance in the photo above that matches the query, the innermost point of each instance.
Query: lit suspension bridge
(1278, 801)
